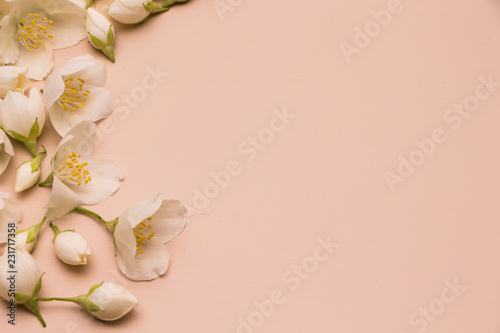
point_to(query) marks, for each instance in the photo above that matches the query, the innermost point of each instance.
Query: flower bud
(128, 11)
(101, 33)
(23, 118)
(28, 173)
(70, 247)
(13, 78)
(113, 301)
(25, 177)
(24, 240)
(26, 279)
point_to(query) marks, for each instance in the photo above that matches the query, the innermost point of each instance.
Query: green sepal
(109, 51)
(17, 136)
(31, 237)
(38, 286)
(93, 288)
(98, 44)
(155, 8)
(89, 2)
(32, 305)
(35, 162)
(35, 130)
(31, 145)
(168, 3)
(57, 231)
(92, 307)
(110, 38)
(21, 298)
(48, 181)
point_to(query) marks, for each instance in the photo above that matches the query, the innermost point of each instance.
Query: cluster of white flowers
(74, 98)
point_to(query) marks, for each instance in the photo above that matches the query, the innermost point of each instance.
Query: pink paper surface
(420, 255)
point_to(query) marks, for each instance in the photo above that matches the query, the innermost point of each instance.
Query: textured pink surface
(320, 176)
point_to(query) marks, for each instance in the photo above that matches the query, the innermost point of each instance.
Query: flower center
(142, 234)
(32, 29)
(73, 171)
(73, 97)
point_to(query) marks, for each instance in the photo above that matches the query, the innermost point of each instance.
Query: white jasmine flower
(140, 234)
(33, 29)
(73, 92)
(13, 78)
(70, 247)
(101, 33)
(77, 178)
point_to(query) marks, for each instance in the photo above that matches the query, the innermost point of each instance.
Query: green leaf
(89, 2)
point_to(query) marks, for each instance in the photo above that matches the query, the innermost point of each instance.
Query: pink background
(322, 176)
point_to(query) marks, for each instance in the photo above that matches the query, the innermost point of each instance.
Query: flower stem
(60, 299)
(109, 224)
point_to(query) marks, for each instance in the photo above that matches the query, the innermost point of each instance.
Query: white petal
(15, 115)
(146, 266)
(62, 201)
(124, 238)
(37, 108)
(86, 67)
(169, 221)
(142, 210)
(80, 138)
(105, 175)
(9, 44)
(128, 11)
(54, 88)
(39, 61)
(10, 212)
(13, 78)
(69, 26)
(6, 151)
